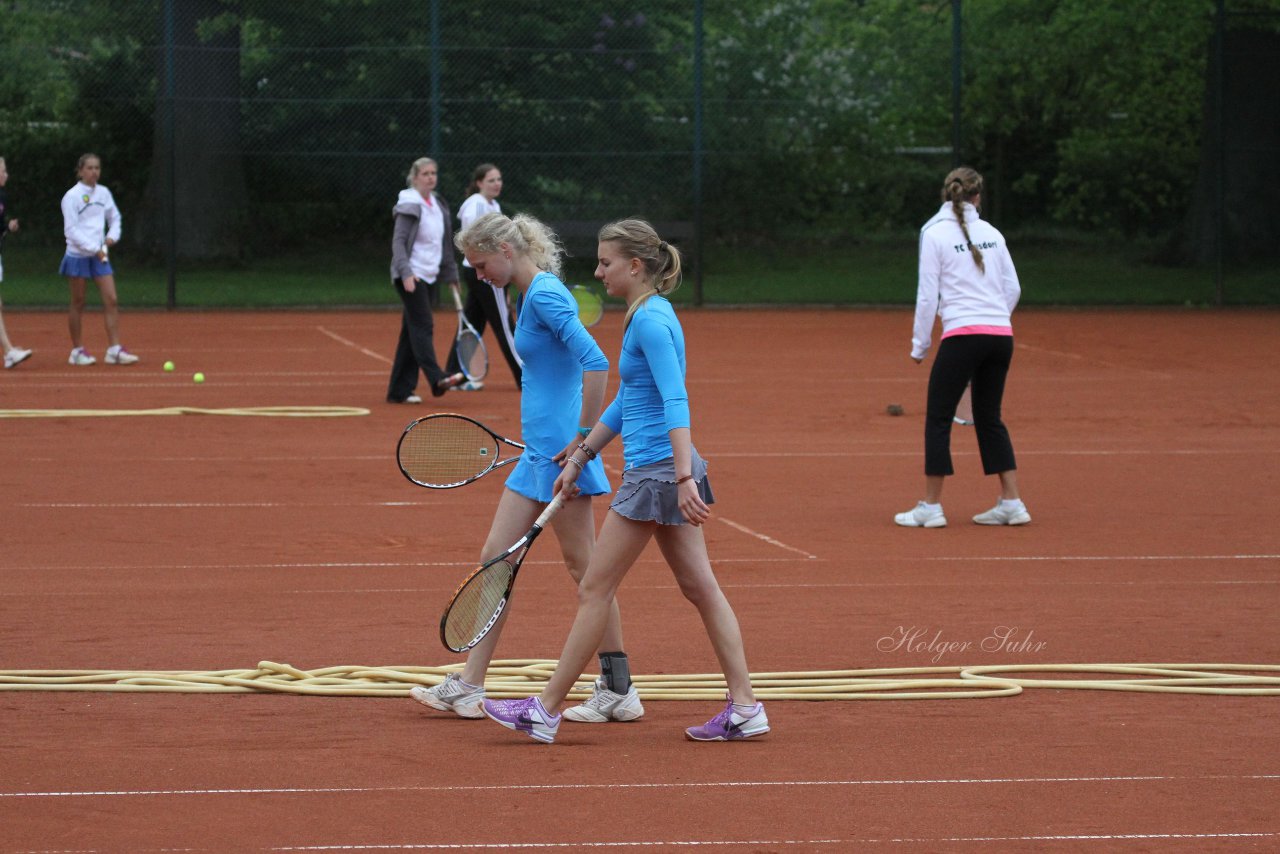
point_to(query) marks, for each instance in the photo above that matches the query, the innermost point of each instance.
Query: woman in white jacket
(91, 222)
(967, 277)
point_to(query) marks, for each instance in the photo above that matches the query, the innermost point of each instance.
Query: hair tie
(662, 246)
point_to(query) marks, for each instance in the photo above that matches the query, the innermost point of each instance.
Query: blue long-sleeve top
(554, 345)
(652, 399)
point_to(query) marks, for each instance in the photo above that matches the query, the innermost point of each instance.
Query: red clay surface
(1148, 445)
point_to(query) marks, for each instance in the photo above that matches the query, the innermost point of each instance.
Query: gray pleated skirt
(649, 493)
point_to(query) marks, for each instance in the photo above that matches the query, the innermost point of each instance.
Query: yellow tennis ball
(199, 377)
(168, 366)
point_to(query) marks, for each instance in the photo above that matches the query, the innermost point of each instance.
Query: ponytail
(636, 238)
(962, 185)
(525, 235)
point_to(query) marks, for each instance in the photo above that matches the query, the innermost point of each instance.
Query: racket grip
(554, 507)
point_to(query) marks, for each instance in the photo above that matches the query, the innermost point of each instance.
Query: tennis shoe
(470, 385)
(963, 422)
(452, 695)
(15, 356)
(921, 516)
(118, 355)
(1004, 514)
(604, 705)
(526, 716)
(80, 356)
(731, 725)
(448, 382)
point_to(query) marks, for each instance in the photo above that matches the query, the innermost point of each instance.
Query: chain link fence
(792, 147)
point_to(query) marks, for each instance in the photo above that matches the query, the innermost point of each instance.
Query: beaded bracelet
(586, 449)
(574, 461)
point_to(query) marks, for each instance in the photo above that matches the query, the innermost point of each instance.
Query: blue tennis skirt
(649, 493)
(534, 476)
(84, 267)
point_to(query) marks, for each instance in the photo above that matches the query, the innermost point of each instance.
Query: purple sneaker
(525, 716)
(731, 725)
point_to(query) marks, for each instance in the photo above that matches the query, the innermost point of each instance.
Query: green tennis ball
(168, 366)
(199, 377)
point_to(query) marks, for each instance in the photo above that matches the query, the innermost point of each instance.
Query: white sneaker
(80, 356)
(921, 517)
(15, 356)
(604, 706)
(469, 385)
(119, 356)
(452, 695)
(1004, 514)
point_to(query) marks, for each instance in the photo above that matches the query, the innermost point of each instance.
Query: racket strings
(476, 605)
(471, 355)
(445, 451)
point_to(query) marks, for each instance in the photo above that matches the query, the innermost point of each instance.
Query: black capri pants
(983, 362)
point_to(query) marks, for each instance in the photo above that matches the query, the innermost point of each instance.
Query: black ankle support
(616, 671)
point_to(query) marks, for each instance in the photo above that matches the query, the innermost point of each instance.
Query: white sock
(746, 710)
(1011, 503)
(932, 508)
(113, 350)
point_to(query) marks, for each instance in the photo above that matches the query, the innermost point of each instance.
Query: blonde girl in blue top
(562, 388)
(664, 494)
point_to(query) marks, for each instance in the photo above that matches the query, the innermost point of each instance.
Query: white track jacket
(951, 285)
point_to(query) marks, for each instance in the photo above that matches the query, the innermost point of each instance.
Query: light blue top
(652, 399)
(556, 348)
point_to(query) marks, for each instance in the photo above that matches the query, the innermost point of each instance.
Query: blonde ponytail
(525, 235)
(636, 238)
(962, 185)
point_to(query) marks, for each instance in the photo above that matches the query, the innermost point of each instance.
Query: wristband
(681, 480)
(584, 432)
(586, 449)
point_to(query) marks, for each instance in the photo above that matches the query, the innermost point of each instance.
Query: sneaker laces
(598, 701)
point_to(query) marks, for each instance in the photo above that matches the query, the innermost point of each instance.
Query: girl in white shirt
(91, 223)
(967, 277)
(485, 304)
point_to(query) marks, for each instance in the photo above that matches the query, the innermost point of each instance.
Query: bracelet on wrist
(586, 449)
(681, 480)
(574, 461)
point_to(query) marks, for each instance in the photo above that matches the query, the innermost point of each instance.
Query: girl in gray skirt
(664, 493)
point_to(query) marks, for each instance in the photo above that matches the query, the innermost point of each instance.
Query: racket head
(477, 604)
(472, 357)
(444, 450)
(590, 305)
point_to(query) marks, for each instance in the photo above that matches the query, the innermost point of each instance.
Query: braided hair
(962, 185)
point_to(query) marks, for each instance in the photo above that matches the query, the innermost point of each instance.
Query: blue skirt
(534, 476)
(649, 493)
(84, 267)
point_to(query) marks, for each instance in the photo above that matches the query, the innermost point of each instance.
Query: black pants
(416, 348)
(983, 361)
(481, 308)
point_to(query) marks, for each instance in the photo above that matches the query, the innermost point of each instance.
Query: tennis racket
(590, 305)
(480, 600)
(444, 450)
(472, 357)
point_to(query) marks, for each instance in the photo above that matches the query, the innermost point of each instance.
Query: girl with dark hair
(486, 303)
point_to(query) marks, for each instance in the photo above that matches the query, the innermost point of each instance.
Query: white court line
(738, 843)
(765, 537)
(111, 505)
(416, 564)
(1080, 358)
(336, 337)
(709, 784)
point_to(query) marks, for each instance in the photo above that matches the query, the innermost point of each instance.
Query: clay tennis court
(1148, 445)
